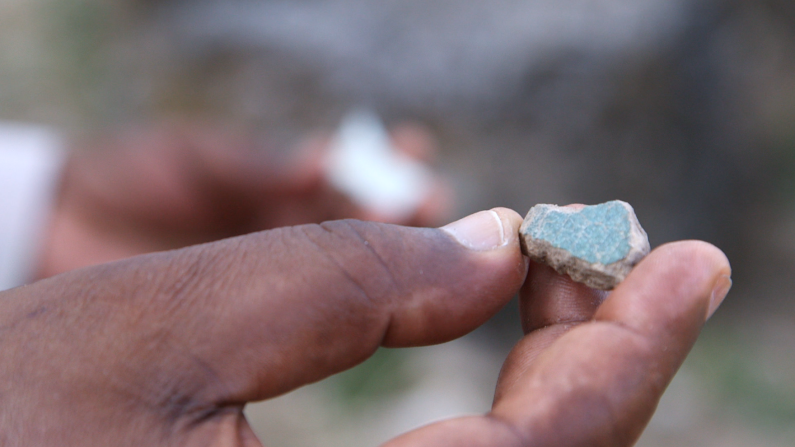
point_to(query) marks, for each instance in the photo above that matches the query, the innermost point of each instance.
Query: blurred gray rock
(439, 55)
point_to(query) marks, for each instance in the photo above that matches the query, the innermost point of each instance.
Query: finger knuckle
(352, 251)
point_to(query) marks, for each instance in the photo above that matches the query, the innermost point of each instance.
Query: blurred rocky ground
(683, 108)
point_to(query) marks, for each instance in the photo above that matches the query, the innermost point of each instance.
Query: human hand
(166, 348)
(175, 185)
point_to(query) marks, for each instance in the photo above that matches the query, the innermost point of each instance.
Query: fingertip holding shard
(596, 245)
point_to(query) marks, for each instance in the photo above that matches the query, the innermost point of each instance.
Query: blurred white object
(364, 164)
(31, 159)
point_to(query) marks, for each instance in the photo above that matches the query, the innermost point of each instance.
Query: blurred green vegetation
(385, 374)
(736, 372)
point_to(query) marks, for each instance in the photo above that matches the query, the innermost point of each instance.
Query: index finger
(599, 382)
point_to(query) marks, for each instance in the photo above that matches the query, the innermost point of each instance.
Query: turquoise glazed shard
(596, 245)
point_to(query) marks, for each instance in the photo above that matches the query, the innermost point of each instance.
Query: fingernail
(481, 231)
(719, 292)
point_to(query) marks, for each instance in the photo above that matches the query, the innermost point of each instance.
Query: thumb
(256, 316)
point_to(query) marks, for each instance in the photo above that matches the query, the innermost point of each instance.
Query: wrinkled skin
(167, 348)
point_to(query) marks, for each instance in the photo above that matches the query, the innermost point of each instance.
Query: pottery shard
(596, 245)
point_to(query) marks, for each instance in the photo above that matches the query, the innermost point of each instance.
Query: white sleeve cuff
(31, 160)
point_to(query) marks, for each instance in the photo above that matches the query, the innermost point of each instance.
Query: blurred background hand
(154, 188)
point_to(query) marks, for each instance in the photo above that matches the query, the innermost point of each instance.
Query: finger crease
(377, 256)
(341, 268)
(522, 439)
(626, 328)
(572, 322)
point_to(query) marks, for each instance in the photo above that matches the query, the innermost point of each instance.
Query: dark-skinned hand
(167, 348)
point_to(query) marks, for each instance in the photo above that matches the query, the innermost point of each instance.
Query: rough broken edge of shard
(595, 275)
